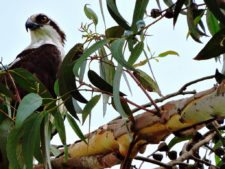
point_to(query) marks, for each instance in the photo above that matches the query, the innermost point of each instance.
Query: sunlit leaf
(212, 22)
(27, 106)
(169, 52)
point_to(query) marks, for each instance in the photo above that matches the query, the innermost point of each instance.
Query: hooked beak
(31, 25)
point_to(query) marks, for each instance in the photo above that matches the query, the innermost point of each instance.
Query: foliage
(120, 51)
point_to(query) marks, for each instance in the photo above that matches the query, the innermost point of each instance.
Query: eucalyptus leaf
(91, 14)
(139, 11)
(114, 12)
(75, 127)
(212, 22)
(89, 106)
(216, 42)
(116, 88)
(27, 106)
(117, 53)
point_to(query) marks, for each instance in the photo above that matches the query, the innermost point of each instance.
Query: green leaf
(216, 42)
(193, 29)
(107, 68)
(146, 81)
(56, 87)
(212, 22)
(215, 9)
(135, 53)
(113, 10)
(87, 53)
(176, 140)
(27, 106)
(5, 127)
(4, 90)
(91, 14)
(102, 12)
(12, 148)
(89, 106)
(116, 88)
(177, 10)
(75, 127)
(114, 32)
(31, 138)
(169, 52)
(96, 80)
(139, 11)
(117, 53)
(28, 82)
(67, 84)
(60, 127)
(169, 3)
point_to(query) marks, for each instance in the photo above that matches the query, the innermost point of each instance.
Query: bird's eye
(42, 19)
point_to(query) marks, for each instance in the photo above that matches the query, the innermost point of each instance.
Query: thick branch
(110, 143)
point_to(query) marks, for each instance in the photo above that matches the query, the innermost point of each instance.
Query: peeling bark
(109, 144)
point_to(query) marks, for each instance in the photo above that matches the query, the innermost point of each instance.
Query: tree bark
(112, 142)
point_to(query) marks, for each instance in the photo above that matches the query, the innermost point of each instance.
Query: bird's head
(44, 30)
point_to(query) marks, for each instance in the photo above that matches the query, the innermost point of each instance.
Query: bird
(44, 55)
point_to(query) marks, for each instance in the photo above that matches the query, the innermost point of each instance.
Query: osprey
(43, 56)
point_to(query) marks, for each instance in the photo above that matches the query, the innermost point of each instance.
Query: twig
(188, 154)
(145, 92)
(152, 161)
(181, 91)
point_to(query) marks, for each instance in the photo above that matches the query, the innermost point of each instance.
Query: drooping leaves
(67, 83)
(114, 12)
(96, 80)
(89, 106)
(216, 42)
